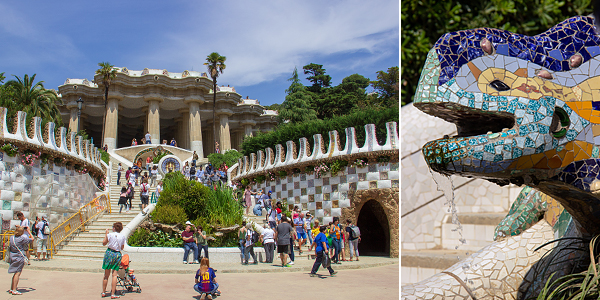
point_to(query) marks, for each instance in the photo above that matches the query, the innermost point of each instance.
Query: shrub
(169, 214)
(337, 166)
(104, 156)
(160, 155)
(295, 131)
(229, 158)
(143, 237)
(189, 195)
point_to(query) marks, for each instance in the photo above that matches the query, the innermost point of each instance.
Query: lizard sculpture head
(527, 110)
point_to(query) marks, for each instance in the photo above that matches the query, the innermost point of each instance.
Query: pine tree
(296, 107)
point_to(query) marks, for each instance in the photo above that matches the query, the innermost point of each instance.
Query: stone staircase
(87, 245)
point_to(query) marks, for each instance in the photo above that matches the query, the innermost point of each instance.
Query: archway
(374, 230)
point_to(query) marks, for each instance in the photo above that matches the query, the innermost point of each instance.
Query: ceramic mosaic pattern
(537, 96)
(325, 197)
(54, 191)
(524, 107)
(495, 272)
(531, 205)
(422, 206)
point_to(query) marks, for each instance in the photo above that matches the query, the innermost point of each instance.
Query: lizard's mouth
(470, 122)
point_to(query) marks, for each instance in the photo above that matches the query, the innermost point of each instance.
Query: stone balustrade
(58, 143)
(262, 162)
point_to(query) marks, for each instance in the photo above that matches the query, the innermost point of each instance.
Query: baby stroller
(125, 277)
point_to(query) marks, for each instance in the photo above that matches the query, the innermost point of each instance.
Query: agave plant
(580, 285)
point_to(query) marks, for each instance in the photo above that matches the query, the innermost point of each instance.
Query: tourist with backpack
(43, 231)
(353, 238)
(144, 194)
(193, 172)
(130, 194)
(251, 239)
(123, 200)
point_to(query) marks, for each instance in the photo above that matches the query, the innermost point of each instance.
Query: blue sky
(262, 40)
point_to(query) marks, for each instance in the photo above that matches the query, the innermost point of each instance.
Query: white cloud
(262, 42)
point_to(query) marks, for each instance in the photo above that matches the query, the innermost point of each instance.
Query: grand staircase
(87, 245)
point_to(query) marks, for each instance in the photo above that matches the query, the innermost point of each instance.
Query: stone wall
(52, 190)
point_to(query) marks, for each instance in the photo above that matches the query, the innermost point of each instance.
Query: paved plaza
(372, 277)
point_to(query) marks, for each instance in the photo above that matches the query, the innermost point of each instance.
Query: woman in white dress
(115, 242)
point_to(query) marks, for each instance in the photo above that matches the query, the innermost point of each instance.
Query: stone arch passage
(374, 229)
(377, 213)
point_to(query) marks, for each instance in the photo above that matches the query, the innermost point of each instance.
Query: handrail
(77, 221)
(5, 242)
(73, 224)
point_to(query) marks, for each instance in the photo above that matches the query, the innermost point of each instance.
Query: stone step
(87, 239)
(80, 254)
(85, 248)
(477, 230)
(417, 265)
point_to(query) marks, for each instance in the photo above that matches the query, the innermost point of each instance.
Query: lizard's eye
(499, 85)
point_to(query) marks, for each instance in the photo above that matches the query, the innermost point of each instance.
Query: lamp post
(79, 105)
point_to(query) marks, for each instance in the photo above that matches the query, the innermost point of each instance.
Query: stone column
(248, 130)
(74, 119)
(195, 129)
(154, 121)
(112, 123)
(224, 134)
(185, 128)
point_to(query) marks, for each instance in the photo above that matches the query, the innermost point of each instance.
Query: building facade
(168, 105)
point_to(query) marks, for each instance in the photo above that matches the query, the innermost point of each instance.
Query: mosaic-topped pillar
(112, 123)
(195, 129)
(154, 121)
(224, 134)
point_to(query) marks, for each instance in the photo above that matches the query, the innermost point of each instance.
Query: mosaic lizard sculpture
(527, 110)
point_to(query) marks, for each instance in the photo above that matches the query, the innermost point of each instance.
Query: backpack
(254, 237)
(35, 230)
(46, 229)
(193, 170)
(355, 231)
(144, 188)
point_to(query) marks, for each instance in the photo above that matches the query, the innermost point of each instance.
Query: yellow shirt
(315, 231)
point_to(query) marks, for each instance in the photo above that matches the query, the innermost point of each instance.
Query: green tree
(387, 88)
(341, 99)
(296, 107)
(33, 98)
(318, 78)
(108, 73)
(215, 64)
(425, 21)
(274, 106)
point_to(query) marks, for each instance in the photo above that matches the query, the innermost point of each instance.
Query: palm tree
(108, 73)
(34, 99)
(215, 64)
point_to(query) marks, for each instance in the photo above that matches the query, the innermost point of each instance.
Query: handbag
(326, 262)
(7, 257)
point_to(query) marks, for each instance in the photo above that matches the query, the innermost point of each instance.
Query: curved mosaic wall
(325, 194)
(48, 140)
